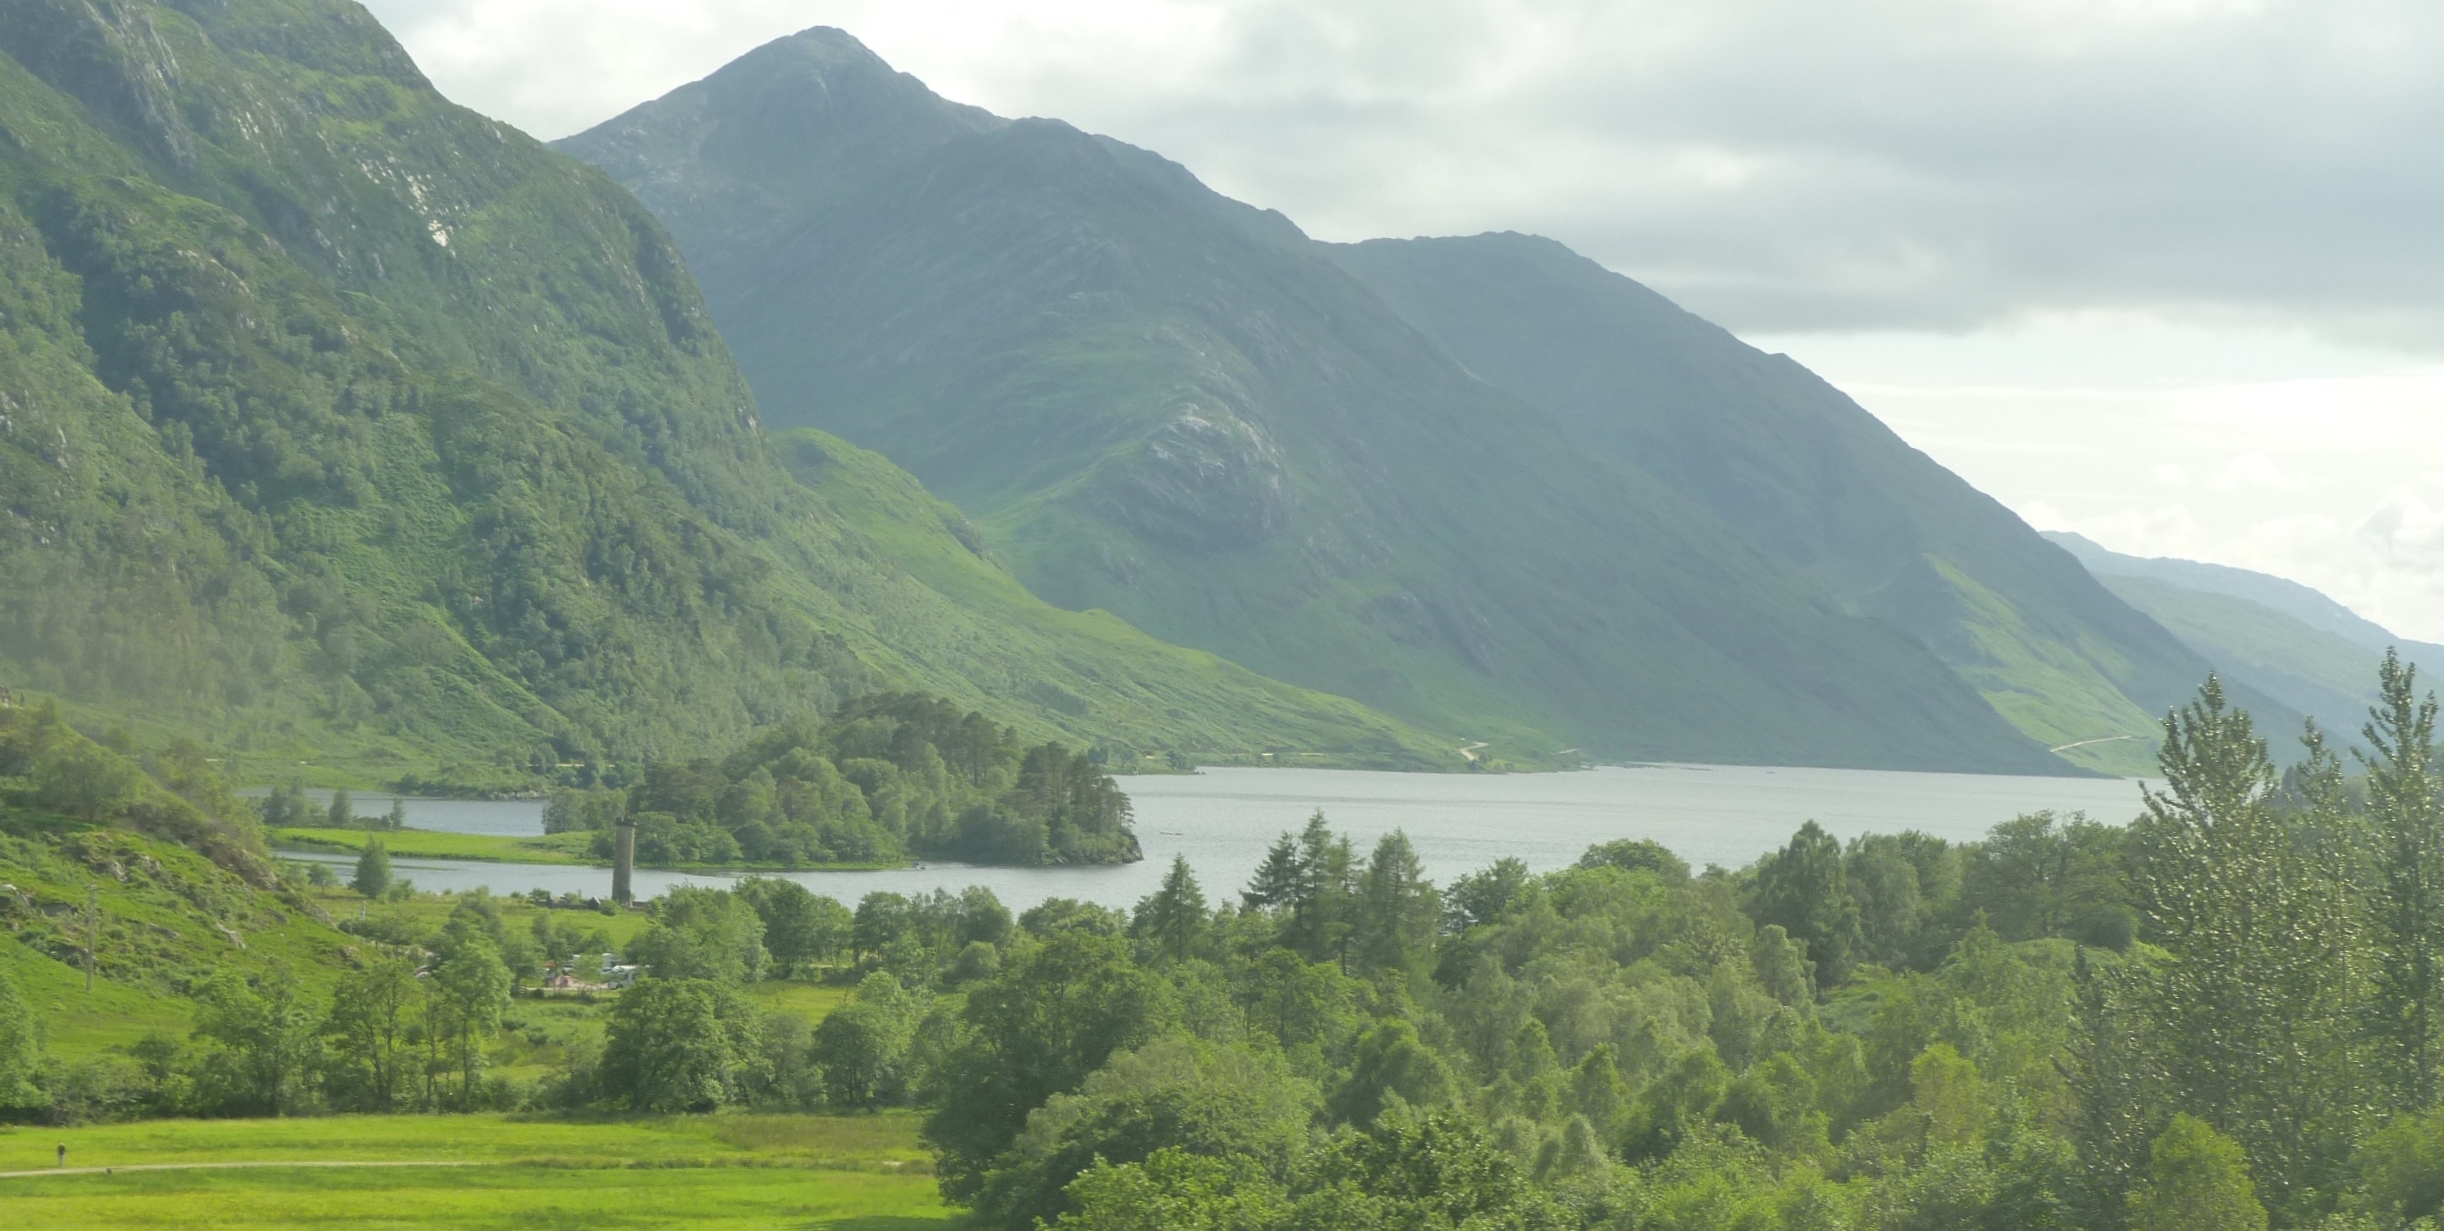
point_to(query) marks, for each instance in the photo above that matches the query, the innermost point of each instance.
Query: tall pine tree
(1397, 908)
(2406, 909)
(1319, 923)
(1276, 879)
(2255, 998)
(1172, 919)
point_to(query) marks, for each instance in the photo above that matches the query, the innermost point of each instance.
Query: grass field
(865, 1173)
(432, 910)
(564, 848)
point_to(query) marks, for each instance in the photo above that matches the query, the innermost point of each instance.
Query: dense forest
(886, 777)
(2223, 1015)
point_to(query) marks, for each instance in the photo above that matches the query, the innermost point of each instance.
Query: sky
(2168, 273)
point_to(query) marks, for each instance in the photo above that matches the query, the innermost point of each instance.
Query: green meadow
(726, 1171)
(566, 848)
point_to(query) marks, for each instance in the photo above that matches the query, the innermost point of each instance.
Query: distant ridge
(2273, 635)
(2309, 606)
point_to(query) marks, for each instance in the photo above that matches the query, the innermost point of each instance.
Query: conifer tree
(343, 810)
(1397, 908)
(1276, 879)
(2406, 824)
(1172, 919)
(1319, 923)
(2255, 1001)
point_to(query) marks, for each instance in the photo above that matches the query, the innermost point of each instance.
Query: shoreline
(494, 848)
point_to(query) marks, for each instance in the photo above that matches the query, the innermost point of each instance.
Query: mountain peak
(794, 124)
(820, 58)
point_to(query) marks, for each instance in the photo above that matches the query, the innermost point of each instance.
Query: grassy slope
(289, 473)
(1801, 469)
(2275, 635)
(2314, 672)
(173, 922)
(1163, 404)
(1196, 694)
(163, 933)
(2050, 687)
(731, 1171)
(567, 848)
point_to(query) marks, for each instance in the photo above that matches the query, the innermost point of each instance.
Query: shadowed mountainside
(1804, 473)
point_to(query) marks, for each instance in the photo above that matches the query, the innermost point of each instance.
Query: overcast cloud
(2095, 254)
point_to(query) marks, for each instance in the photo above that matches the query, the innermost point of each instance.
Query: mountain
(1805, 474)
(355, 432)
(1169, 405)
(2275, 635)
(2308, 606)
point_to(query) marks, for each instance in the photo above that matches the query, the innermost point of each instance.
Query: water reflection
(1222, 820)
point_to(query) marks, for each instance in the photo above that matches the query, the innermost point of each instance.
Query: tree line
(888, 776)
(2221, 1016)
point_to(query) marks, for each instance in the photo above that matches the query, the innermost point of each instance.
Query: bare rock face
(110, 56)
(1207, 481)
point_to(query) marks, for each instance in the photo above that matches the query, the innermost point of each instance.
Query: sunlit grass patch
(698, 1171)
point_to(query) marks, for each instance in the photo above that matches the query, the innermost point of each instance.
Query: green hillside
(2278, 637)
(2278, 594)
(363, 435)
(2309, 670)
(1158, 402)
(1806, 475)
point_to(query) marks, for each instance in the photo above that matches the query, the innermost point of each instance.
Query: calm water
(1223, 819)
(511, 818)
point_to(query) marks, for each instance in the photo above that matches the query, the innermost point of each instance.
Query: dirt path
(19, 1175)
(2085, 742)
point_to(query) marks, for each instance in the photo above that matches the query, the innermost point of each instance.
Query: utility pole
(93, 927)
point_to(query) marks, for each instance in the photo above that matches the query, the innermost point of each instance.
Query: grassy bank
(727, 1171)
(561, 848)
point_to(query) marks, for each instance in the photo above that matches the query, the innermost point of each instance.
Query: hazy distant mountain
(2276, 635)
(2308, 606)
(1175, 407)
(341, 424)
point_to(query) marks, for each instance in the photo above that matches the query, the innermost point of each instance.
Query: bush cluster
(886, 777)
